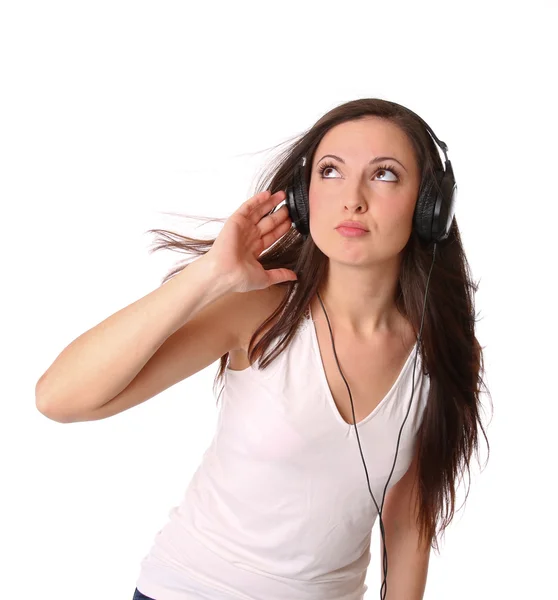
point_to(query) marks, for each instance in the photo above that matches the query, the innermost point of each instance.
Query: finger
(247, 207)
(276, 232)
(260, 205)
(273, 220)
(279, 275)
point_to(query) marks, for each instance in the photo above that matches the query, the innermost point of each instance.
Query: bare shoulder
(260, 305)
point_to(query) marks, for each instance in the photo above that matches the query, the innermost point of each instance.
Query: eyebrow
(374, 160)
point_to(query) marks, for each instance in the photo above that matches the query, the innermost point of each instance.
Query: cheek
(398, 213)
(394, 214)
(311, 199)
(397, 224)
(317, 213)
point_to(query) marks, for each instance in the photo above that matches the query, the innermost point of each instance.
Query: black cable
(382, 530)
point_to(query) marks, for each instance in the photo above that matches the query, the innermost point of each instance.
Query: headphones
(432, 220)
(434, 210)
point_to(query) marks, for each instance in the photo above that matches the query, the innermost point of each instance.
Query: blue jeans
(139, 596)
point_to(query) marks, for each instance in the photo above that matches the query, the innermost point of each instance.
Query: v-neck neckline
(325, 384)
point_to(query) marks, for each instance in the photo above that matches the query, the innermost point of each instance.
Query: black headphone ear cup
(424, 211)
(444, 215)
(435, 206)
(297, 202)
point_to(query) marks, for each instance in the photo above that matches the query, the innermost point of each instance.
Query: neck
(361, 301)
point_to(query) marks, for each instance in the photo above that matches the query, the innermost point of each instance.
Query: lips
(352, 225)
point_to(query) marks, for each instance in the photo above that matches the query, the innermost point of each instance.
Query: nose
(355, 196)
(356, 202)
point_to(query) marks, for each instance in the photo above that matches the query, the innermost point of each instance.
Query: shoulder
(260, 305)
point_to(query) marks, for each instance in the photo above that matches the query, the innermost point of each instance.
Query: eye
(323, 167)
(380, 169)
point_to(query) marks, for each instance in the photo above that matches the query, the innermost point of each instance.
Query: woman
(347, 341)
(365, 296)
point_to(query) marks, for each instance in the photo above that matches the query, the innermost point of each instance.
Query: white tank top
(279, 508)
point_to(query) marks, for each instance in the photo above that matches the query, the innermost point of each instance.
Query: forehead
(360, 140)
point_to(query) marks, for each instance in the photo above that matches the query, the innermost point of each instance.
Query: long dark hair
(451, 355)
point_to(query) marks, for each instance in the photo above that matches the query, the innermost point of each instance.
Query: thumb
(281, 275)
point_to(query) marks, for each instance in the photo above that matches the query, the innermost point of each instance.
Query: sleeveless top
(279, 507)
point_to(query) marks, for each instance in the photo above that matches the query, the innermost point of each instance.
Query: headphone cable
(419, 339)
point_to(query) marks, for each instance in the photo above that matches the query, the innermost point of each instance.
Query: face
(382, 195)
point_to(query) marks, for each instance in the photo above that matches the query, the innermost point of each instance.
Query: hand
(246, 234)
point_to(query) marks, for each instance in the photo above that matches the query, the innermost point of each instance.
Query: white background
(113, 113)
